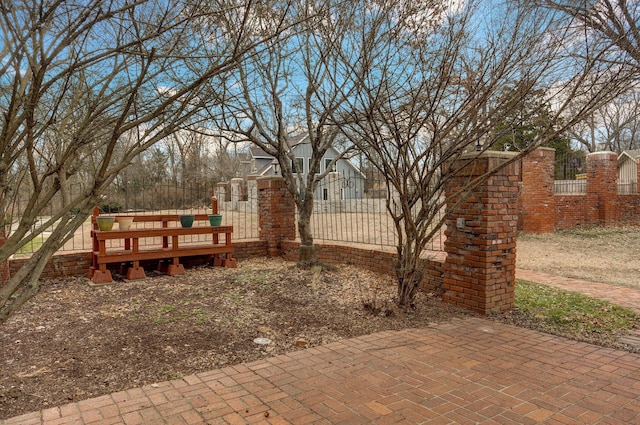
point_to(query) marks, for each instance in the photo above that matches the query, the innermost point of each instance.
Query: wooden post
(214, 202)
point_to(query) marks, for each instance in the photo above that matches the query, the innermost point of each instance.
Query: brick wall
(537, 212)
(479, 271)
(600, 206)
(276, 213)
(74, 264)
(483, 248)
(629, 213)
(77, 264)
(383, 262)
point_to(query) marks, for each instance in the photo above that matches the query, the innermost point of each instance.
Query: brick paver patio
(471, 371)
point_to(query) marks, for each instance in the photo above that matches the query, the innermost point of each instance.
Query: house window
(317, 171)
(325, 194)
(297, 165)
(327, 164)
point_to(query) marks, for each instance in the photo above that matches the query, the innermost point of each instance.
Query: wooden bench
(141, 243)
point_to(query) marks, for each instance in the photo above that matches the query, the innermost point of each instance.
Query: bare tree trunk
(409, 276)
(308, 253)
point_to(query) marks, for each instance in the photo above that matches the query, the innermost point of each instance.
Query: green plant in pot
(105, 222)
(186, 220)
(215, 219)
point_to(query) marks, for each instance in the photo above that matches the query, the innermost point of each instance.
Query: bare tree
(188, 152)
(612, 24)
(614, 127)
(610, 33)
(429, 93)
(85, 87)
(291, 84)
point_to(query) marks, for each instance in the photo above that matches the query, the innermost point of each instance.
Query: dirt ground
(75, 341)
(593, 254)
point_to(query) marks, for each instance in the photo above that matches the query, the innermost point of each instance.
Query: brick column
(538, 206)
(602, 186)
(479, 272)
(276, 213)
(223, 192)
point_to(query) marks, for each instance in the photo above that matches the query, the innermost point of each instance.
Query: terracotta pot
(124, 223)
(105, 222)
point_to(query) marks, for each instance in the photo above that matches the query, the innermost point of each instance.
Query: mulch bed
(76, 341)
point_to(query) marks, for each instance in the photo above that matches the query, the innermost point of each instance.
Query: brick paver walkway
(626, 297)
(469, 371)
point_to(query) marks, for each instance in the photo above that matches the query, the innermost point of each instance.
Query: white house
(345, 181)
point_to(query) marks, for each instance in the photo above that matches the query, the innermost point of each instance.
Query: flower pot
(215, 219)
(186, 220)
(124, 223)
(105, 222)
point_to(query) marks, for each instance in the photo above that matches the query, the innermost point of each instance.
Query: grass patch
(31, 247)
(571, 314)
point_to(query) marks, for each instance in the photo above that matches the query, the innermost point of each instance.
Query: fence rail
(569, 187)
(363, 220)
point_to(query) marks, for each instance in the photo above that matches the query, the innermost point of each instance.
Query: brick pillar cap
(544, 148)
(263, 178)
(490, 154)
(601, 155)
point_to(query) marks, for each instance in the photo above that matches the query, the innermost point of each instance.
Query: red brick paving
(470, 371)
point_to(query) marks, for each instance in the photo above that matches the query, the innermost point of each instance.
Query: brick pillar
(538, 206)
(223, 192)
(602, 186)
(276, 213)
(479, 272)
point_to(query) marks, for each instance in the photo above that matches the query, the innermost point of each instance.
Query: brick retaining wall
(383, 262)
(77, 264)
(544, 212)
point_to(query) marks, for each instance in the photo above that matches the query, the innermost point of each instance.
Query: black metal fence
(348, 209)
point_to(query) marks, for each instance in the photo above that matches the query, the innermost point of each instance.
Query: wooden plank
(122, 256)
(159, 232)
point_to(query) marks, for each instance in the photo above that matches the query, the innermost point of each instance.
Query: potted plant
(186, 220)
(105, 222)
(215, 219)
(124, 223)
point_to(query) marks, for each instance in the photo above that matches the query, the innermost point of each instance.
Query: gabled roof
(296, 140)
(628, 155)
(257, 152)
